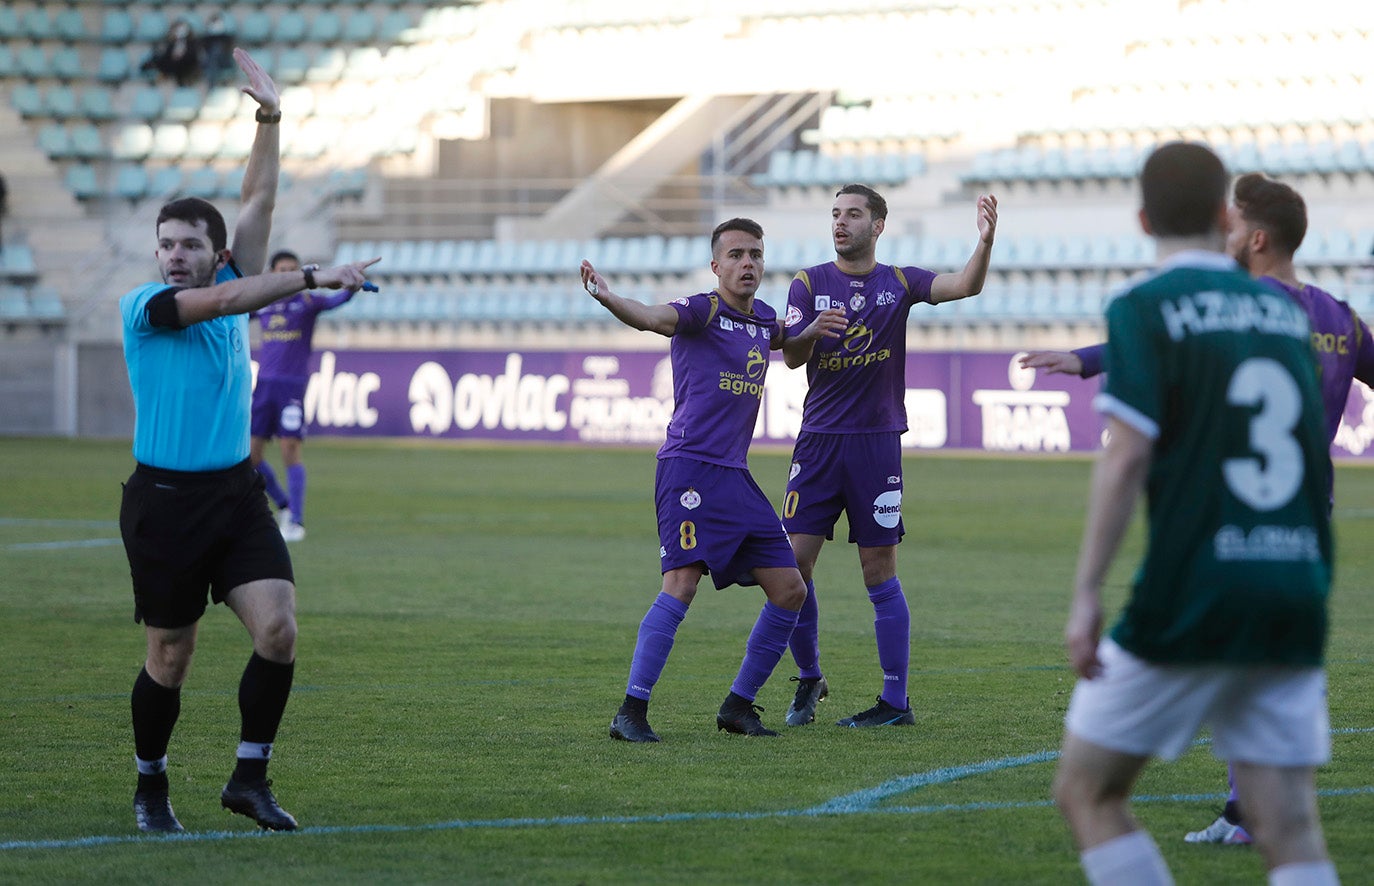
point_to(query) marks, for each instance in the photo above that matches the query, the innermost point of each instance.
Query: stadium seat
(130, 182)
(34, 25)
(13, 304)
(146, 104)
(326, 27)
(55, 141)
(203, 183)
(132, 142)
(290, 28)
(292, 66)
(10, 28)
(393, 26)
(169, 142)
(97, 104)
(255, 30)
(27, 99)
(221, 103)
(87, 143)
(66, 64)
(203, 141)
(81, 180)
(183, 105)
(164, 182)
(151, 27)
(113, 66)
(117, 27)
(328, 66)
(231, 184)
(46, 304)
(359, 28)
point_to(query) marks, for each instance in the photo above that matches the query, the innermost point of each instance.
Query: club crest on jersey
(793, 317)
(822, 303)
(681, 301)
(691, 499)
(857, 302)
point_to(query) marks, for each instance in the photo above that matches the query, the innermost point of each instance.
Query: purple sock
(655, 641)
(274, 490)
(295, 481)
(763, 651)
(892, 627)
(806, 639)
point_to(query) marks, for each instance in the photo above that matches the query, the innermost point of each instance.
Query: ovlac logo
(887, 508)
(691, 499)
(794, 316)
(822, 303)
(857, 301)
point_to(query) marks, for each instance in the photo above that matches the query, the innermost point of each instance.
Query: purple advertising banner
(954, 400)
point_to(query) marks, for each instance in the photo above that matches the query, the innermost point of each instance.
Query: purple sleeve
(321, 302)
(918, 282)
(1364, 357)
(1092, 360)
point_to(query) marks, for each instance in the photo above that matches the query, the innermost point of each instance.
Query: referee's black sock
(155, 710)
(263, 692)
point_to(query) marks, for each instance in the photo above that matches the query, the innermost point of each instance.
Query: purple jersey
(857, 383)
(1341, 342)
(287, 329)
(719, 358)
(1339, 338)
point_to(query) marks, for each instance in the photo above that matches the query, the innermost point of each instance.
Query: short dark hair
(877, 206)
(192, 210)
(747, 225)
(1182, 188)
(281, 254)
(1273, 206)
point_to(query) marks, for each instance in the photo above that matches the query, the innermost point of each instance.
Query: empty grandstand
(485, 148)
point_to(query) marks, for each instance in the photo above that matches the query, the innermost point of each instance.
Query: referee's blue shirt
(192, 387)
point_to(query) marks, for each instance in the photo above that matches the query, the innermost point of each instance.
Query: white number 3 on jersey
(1270, 482)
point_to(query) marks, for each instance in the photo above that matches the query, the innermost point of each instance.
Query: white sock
(1304, 873)
(1132, 860)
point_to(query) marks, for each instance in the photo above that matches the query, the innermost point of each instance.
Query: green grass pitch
(467, 617)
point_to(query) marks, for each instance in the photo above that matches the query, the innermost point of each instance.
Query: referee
(193, 516)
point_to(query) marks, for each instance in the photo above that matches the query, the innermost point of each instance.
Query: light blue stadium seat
(292, 65)
(130, 182)
(202, 183)
(231, 184)
(151, 26)
(132, 142)
(82, 181)
(393, 25)
(55, 141)
(60, 102)
(360, 27)
(46, 304)
(164, 182)
(96, 103)
(779, 170)
(113, 66)
(183, 105)
(146, 103)
(33, 62)
(348, 183)
(116, 27)
(27, 99)
(13, 303)
(66, 64)
(326, 27)
(35, 25)
(87, 143)
(255, 30)
(290, 28)
(10, 27)
(9, 65)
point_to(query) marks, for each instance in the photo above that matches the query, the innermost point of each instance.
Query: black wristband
(309, 271)
(274, 117)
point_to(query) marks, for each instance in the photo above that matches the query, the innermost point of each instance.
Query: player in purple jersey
(279, 395)
(848, 455)
(1268, 224)
(712, 516)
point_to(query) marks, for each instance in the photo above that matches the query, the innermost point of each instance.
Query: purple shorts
(860, 474)
(718, 517)
(279, 408)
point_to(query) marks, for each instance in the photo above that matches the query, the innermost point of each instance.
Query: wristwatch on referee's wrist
(261, 117)
(309, 271)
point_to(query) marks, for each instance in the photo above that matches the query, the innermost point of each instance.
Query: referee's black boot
(153, 812)
(255, 800)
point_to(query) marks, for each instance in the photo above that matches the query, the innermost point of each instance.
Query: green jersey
(1218, 370)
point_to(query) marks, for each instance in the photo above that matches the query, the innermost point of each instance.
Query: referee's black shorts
(185, 533)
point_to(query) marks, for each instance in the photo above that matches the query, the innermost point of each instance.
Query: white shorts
(1272, 716)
